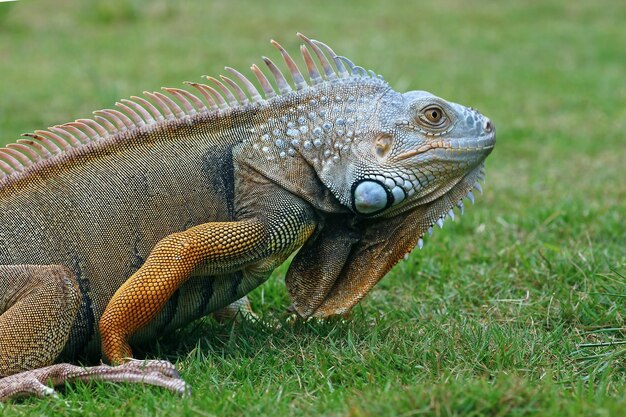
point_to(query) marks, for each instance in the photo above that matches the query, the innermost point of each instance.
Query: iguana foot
(238, 310)
(39, 382)
(292, 316)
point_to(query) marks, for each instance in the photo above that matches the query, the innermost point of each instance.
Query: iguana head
(418, 148)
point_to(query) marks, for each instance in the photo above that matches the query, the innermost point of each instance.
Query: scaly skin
(118, 229)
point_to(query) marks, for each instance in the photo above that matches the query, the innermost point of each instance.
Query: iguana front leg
(253, 246)
(172, 262)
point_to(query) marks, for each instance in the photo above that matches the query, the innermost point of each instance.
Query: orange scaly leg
(171, 263)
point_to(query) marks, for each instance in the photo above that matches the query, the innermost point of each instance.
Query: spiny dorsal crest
(138, 114)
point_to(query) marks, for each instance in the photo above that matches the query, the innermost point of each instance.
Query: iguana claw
(39, 382)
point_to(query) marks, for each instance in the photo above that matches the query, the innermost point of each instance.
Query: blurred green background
(517, 309)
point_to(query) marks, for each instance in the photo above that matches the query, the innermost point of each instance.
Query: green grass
(517, 309)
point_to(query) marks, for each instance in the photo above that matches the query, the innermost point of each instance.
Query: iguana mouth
(483, 144)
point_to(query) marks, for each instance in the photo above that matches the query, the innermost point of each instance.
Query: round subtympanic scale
(370, 197)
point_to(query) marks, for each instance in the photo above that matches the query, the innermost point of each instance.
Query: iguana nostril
(488, 126)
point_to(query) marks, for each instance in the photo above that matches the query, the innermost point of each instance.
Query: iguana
(118, 229)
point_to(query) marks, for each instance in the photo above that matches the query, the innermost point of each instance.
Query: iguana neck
(304, 141)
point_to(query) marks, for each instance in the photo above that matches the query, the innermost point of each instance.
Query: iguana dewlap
(118, 229)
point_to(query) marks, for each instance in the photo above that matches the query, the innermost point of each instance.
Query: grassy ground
(517, 309)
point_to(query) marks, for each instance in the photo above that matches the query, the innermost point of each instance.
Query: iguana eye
(433, 116)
